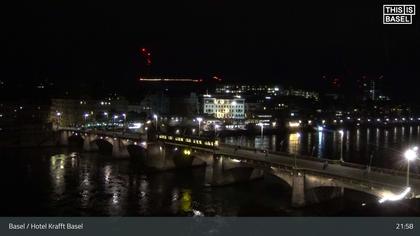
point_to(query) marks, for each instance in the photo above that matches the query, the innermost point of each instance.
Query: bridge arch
(313, 182)
(105, 146)
(136, 151)
(285, 176)
(75, 139)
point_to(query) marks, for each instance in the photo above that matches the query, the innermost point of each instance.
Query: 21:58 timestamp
(404, 226)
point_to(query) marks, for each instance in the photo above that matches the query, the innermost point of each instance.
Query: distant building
(224, 107)
(301, 93)
(181, 105)
(237, 89)
(371, 89)
(184, 106)
(264, 90)
(156, 103)
(17, 114)
(75, 111)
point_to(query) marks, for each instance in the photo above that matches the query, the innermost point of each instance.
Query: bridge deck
(334, 169)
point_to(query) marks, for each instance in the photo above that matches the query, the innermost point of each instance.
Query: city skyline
(209, 108)
(100, 43)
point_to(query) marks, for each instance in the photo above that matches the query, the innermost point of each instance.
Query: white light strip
(395, 197)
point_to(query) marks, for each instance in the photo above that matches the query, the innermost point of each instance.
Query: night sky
(98, 42)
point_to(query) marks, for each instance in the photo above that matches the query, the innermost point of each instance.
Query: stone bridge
(229, 164)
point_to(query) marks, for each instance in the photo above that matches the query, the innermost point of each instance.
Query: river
(55, 182)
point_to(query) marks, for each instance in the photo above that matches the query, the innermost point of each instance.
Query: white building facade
(224, 108)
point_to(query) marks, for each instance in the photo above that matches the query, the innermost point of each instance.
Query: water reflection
(321, 141)
(357, 140)
(357, 145)
(186, 201)
(57, 175)
(88, 184)
(294, 143)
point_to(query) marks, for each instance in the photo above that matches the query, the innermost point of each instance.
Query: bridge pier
(298, 189)
(161, 156)
(119, 148)
(88, 144)
(156, 157)
(213, 171)
(63, 138)
(223, 171)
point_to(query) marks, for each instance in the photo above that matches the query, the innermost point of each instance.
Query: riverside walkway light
(410, 155)
(199, 119)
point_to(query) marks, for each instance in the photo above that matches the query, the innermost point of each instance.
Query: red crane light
(146, 55)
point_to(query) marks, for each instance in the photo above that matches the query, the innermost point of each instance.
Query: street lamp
(106, 115)
(86, 115)
(216, 126)
(124, 124)
(156, 119)
(59, 118)
(341, 132)
(410, 155)
(199, 119)
(262, 132)
(115, 117)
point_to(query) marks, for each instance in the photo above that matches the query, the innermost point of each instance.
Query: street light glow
(199, 119)
(395, 197)
(410, 155)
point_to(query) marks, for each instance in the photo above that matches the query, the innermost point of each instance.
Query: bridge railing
(113, 134)
(350, 180)
(282, 154)
(329, 161)
(189, 140)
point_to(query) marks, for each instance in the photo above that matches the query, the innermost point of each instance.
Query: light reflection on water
(385, 144)
(87, 185)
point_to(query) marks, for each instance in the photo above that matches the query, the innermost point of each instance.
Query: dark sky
(94, 41)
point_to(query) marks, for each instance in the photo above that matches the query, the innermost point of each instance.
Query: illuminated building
(249, 89)
(224, 108)
(301, 93)
(72, 110)
(264, 90)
